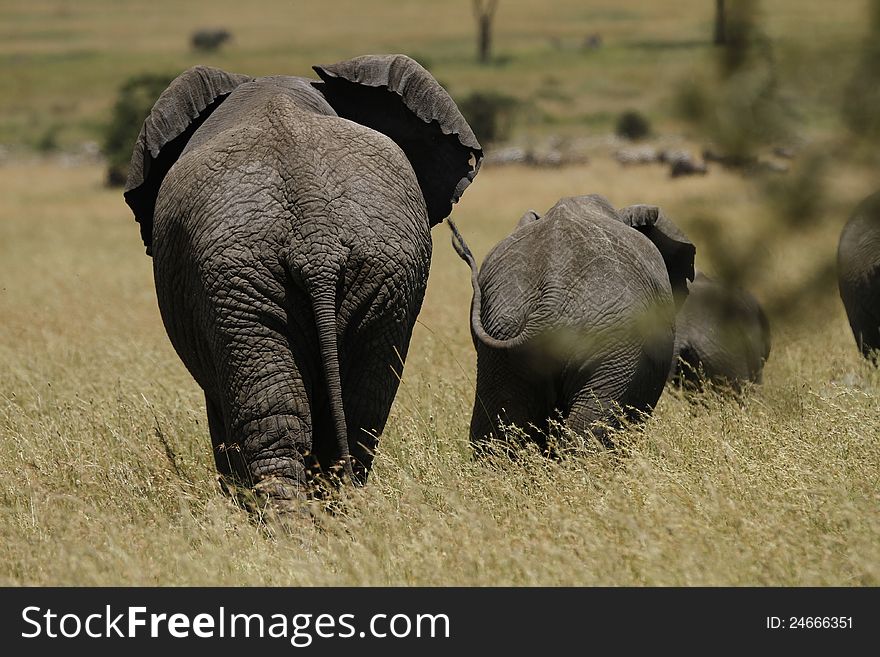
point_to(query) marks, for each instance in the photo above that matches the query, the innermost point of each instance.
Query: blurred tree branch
(739, 109)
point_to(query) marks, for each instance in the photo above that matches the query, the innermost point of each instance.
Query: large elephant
(573, 315)
(858, 272)
(722, 336)
(289, 223)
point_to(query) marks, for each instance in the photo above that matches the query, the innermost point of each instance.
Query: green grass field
(106, 475)
(62, 61)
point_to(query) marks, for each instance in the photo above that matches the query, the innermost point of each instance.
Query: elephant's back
(567, 270)
(252, 100)
(271, 162)
(284, 124)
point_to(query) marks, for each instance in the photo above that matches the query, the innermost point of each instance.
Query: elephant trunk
(479, 332)
(324, 306)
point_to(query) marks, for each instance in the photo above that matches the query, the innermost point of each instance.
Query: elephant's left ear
(174, 118)
(396, 96)
(677, 250)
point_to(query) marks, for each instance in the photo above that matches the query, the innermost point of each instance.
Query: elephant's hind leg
(268, 419)
(509, 399)
(227, 460)
(593, 411)
(625, 387)
(864, 319)
(371, 377)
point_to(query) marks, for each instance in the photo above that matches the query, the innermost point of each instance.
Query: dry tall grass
(106, 476)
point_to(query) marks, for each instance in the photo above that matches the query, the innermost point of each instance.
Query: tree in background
(133, 104)
(720, 31)
(739, 107)
(490, 115)
(484, 14)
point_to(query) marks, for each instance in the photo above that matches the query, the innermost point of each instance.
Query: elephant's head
(391, 94)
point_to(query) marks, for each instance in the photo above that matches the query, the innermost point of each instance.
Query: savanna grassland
(106, 474)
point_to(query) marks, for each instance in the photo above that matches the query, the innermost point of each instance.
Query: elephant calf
(573, 315)
(858, 271)
(722, 336)
(289, 222)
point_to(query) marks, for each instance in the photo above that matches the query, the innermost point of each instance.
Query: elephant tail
(479, 332)
(324, 306)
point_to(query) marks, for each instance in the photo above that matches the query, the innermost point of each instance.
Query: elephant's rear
(289, 220)
(591, 301)
(290, 273)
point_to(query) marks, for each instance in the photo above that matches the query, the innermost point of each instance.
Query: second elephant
(722, 336)
(573, 315)
(858, 271)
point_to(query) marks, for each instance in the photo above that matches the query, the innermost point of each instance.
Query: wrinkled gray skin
(291, 249)
(858, 272)
(573, 317)
(722, 336)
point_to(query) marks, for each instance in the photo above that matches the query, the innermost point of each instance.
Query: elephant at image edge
(289, 223)
(574, 314)
(858, 272)
(722, 335)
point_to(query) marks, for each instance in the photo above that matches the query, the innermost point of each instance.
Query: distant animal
(573, 316)
(592, 42)
(209, 38)
(289, 223)
(637, 155)
(858, 275)
(683, 164)
(722, 336)
(504, 156)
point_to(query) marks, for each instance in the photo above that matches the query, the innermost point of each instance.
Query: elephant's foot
(275, 501)
(285, 506)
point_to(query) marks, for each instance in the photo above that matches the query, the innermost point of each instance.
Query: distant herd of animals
(289, 221)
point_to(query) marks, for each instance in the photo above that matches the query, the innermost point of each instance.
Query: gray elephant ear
(529, 217)
(394, 95)
(677, 250)
(176, 115)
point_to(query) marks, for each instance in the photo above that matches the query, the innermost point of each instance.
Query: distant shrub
(632, 125)
(208, 39)
(426, 62)
(48, 141)
(490, 115)
(133, 105)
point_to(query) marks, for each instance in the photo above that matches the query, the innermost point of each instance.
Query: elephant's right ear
(677, 250)
(529, 217)
(394, 95)
(177, 114)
